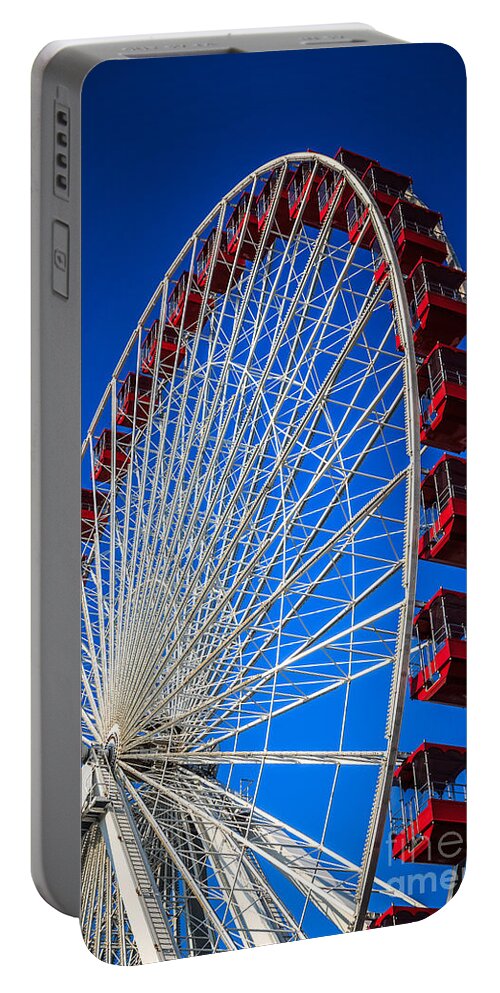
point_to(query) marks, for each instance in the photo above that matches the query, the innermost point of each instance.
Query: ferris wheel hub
(112, 744)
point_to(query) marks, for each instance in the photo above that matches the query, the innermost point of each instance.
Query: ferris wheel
(250, 539)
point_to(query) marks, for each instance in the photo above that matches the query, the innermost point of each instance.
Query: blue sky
(164, 139)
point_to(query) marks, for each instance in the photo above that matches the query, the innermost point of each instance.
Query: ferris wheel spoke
(215, 757)
(148, 439)
(222, 378)
(234, 721)
(248, 570)
(257, 680)
(242, 896)
(96, 722)
(362, 515)
(350, 603)
(277, 845)
(180, 865)
(124, 574)
(357, 330)
(143, 479)
(219, 804)
(349, 606)
(261, 918)
(112, 561)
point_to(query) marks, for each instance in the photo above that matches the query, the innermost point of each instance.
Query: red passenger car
(386, 187)
(332, 184)
(335, 185)
(436, 295)
(282, 223)
(354, 161)
(359, 226)
(103, 458)
(184, 304)
(88, 513)
(442, 387)
(171, 354)
(219, 262)
(444, 512)
(303, 193)
(438, 673)
(430, 825)
(400, 915)
(134, 396)
(417, 233)
(243, 229)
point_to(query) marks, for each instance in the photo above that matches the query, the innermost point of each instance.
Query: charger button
(60, 258)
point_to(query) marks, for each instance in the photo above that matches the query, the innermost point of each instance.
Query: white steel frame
(174, 661)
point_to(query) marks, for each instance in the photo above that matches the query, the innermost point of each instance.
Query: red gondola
(171, 355)
(431, 823)
(354, 161)
(184, 304)
(439, 671)
(386, 187)
(88, 513)
(103, 460)
(438, 306)
(303, 189)
(224, 271)
(243, 229)
(442, 387)
(357, 221)
(333, 184)
(282, 223)
(416, 232)
(400, 915)
(128, 403)
(443, 496)
(357, 164)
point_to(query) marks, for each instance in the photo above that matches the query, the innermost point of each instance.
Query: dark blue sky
(164, 139)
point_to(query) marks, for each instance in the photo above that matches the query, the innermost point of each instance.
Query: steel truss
(248, 598)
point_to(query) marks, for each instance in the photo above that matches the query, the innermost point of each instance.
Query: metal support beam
(138, 890)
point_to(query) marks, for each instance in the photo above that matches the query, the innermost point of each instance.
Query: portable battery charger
(249, 486)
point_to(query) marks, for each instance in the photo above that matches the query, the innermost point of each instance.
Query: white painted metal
(256, 560)
(146, 914)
